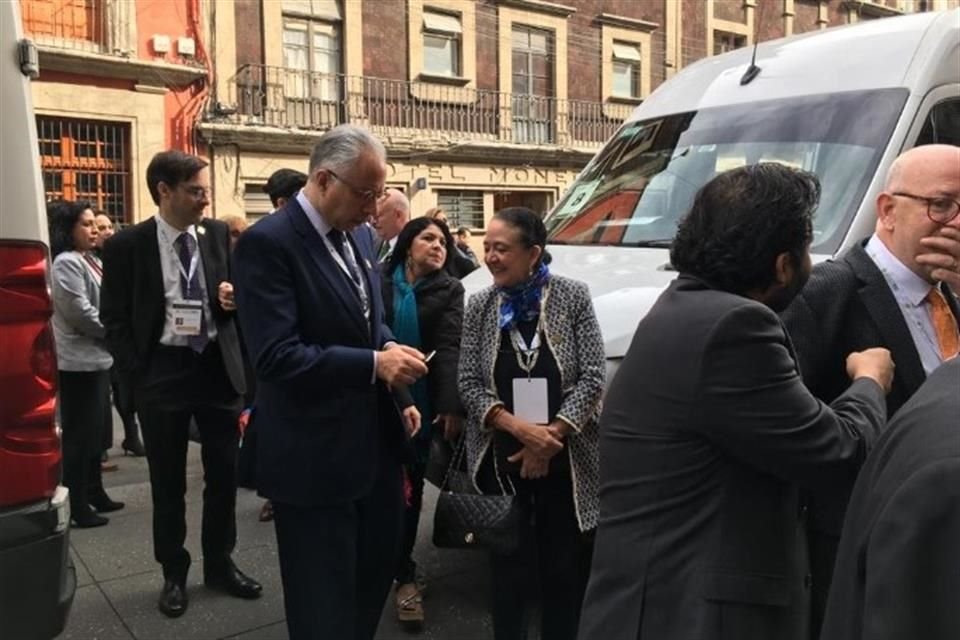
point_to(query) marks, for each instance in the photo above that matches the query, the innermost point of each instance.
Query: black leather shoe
(86, 518)
(173, 599)
(102, 503)
(133, 447)
(232, 581)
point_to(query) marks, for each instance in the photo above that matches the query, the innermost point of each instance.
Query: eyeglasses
(198, 192)
(940, 210)
(364, 194)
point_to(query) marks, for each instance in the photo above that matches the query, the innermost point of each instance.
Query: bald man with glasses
(896, 289)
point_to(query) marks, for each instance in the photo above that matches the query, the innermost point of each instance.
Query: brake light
(29, 442)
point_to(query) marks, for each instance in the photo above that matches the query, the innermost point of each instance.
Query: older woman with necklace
(531, 378)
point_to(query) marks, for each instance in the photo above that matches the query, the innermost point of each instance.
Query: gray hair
(342, 145)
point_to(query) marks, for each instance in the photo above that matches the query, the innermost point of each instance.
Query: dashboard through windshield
(636, 190)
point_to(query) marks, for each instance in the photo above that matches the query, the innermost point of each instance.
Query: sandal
(266, 512)
(409, 605)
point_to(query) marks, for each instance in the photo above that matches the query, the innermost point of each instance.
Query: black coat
(440, 314)
(898, 570)
(706, 435)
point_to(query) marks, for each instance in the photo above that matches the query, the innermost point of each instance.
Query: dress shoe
(102, 503)
(133, 447)
(173, 599)
(85, 518)
(231, 580)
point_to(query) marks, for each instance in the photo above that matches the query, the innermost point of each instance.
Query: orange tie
(944, 324)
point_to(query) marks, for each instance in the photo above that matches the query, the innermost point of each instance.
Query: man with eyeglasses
(896, 289)
(331, 438)
(171, 336)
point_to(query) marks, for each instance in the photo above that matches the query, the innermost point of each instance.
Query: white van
(842, 103)
(37, 581)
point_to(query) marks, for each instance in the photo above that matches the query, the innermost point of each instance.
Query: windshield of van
(636, 190)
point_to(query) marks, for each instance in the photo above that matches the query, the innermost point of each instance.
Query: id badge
(530, 400)
(187, 316)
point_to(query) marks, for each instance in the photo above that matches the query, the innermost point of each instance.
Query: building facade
(482, 104)
(119, 81)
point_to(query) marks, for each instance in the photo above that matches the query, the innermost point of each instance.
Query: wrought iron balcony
(79, 25)
(296, 99)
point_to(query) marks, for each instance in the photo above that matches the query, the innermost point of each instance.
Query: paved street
(118, 580)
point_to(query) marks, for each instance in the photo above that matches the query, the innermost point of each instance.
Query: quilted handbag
(467, 519)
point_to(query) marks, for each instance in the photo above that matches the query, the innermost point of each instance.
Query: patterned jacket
(573, 336)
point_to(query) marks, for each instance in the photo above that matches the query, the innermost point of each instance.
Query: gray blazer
(76, 316)
(573, 336)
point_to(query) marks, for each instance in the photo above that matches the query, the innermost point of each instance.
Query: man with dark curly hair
(708, 431)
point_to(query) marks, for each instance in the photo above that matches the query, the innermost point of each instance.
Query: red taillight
(29, 443)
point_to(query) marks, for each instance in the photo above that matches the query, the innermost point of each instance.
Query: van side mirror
(29, 59)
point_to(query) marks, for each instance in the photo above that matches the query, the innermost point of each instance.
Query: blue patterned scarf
(521, 302)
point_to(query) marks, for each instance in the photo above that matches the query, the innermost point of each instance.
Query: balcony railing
(66, 24)
(296, 99)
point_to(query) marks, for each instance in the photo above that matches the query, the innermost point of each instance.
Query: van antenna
(753, 70)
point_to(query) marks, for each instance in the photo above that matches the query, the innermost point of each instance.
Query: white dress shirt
(910, 291)
(170, 265)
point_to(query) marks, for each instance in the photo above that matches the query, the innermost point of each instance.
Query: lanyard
(353, 274)
(194, 261)
(527, 354)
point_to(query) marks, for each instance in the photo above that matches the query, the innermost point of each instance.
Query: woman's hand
(539, 440)
(411, 420)
(531, 465)
(451, 425)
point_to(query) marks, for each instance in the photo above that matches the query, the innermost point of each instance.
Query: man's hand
(400, 364)
(531, 465)
(225, 296)
(873, 363)
(450, 423)
(411, 420)
(559, 429)
(942, 256)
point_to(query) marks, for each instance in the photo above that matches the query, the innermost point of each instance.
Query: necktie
(944, 324)
(186, 246)
(384, 252)
(338, 240)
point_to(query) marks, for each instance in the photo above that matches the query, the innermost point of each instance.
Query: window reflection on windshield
(635, 191)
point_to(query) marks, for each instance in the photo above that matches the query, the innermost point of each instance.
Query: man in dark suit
(167, 330)
(898, 570)
(892, 290)
(330, 436)
(389, 218)
(708, 432)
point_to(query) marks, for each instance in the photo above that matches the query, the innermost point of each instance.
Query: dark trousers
(406, 571)
(122, 392)
(553, 552)
(83, 396)
(180, 385)
(337, 561)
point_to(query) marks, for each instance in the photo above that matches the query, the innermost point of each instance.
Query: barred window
(256, 203)
(463, 208)
(86, 160)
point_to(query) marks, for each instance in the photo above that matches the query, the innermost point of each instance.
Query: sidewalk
(118, 582)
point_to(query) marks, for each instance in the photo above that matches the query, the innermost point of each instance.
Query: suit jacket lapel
(320, 255)
(210, 260)
(882, 306)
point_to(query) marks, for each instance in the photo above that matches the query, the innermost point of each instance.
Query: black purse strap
(461, 453)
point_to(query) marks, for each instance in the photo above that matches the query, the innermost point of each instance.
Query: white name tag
(187, 316)
(530, 401)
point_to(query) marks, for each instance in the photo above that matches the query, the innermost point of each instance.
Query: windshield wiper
(653, 244)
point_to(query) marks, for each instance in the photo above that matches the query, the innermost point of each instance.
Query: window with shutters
(312, 62)
(87, 160)
(442, 33)
(463, 208)
(626, 70)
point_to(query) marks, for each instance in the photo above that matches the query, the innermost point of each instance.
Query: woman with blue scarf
(531, 376)
(424, 309)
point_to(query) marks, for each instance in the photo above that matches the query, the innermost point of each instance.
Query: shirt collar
(171, 233)
(907, 285)
(321, 225)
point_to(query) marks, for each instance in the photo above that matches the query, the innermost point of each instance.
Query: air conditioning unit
(160, 43)
(186, 47)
